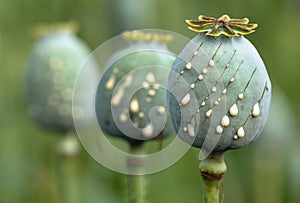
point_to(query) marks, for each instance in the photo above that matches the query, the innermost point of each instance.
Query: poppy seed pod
(223, 91)
(130, 102)
(53, 66)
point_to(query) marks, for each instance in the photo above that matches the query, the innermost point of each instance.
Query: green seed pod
(130, 103)
(223, 88)
(53, 66)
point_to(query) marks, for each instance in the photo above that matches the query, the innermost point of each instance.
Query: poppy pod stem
(136, 182)
(67, 150)
(212, 169)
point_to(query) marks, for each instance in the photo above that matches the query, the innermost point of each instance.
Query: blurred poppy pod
(54, 64)
(130, 102)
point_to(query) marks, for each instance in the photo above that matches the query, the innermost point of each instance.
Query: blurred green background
(266, 171)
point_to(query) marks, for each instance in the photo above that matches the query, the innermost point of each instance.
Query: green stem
(136, 181)
(67, 169)
(68, 180)
(212, 169)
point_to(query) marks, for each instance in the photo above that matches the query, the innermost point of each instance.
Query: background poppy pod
(53, 66)
(130, 103)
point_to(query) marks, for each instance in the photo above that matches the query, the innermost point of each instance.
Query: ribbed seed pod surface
(223, 88)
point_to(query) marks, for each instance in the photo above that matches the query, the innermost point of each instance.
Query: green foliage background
(266, 171)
